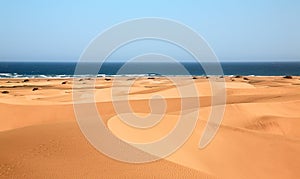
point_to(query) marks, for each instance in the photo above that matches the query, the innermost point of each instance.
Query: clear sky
(59, 30)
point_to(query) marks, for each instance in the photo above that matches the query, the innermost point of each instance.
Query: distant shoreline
(140, 76)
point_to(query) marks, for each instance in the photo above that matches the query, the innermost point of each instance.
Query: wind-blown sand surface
(259, 136)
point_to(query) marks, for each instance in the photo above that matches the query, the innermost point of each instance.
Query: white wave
(6, 74)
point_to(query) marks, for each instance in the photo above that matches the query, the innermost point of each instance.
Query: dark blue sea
(66, 69)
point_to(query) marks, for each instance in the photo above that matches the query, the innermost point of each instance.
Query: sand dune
(259, 136)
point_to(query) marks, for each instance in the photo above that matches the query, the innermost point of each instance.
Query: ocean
(66, 69)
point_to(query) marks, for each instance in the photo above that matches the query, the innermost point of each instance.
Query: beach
(259, 136)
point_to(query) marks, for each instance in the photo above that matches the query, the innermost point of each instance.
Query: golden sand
(259, 136)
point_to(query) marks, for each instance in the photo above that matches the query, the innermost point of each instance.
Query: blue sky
(58, 30)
